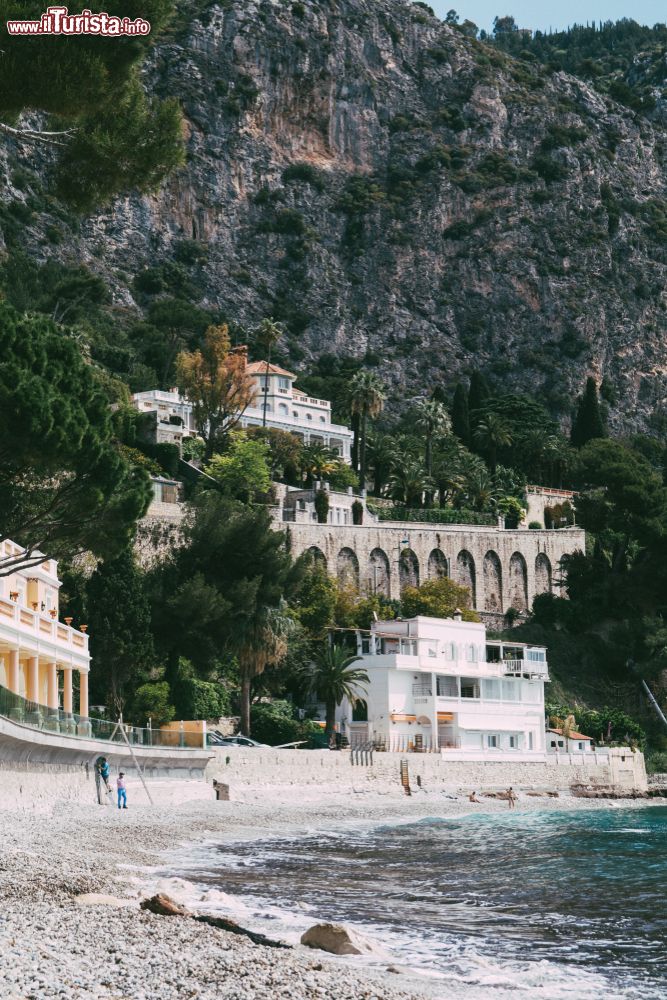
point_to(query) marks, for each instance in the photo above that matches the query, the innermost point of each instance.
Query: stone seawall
(307, 773)
(40, 788)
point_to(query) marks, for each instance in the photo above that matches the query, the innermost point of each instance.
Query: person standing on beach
(122, 793)
(105, 772)
(511, 797)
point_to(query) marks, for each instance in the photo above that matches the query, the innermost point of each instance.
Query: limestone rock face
(391, 189)
(337, 940)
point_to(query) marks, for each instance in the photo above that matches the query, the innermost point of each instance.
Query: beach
(54, 945)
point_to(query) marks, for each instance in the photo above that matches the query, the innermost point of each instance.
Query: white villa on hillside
(440, 685)
(39, 654)
(286, 407)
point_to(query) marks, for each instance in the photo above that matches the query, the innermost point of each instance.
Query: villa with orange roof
(277, 403)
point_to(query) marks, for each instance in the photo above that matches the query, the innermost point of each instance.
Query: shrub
(357, 512)
(275, 723)
(656, 763)
(322, 506)
(190, 252)
(202, 699)
(548, 168)
(535, 526)
(153, 701)
(305, 172)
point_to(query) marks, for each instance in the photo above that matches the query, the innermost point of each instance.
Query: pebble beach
(57, 942)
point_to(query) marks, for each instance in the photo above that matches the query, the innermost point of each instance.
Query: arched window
(283, 408)
(323, 420)
(309, 416)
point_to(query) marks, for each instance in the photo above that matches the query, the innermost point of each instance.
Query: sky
(557, 14)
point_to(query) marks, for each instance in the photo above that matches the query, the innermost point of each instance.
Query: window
(493, 741)
(471, 654)
(323, 420)
(283, 408)
(536, 655)
(447, 687)
(491, 689)
(432, 651)
(309, 416)
(511, 691)
(264, 383)
(581, 746)
(513, 741)
(283, 383)
(450, 651)
(295, 413)
(469, 687)
(530, 741)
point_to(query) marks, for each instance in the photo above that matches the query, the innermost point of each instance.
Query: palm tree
(334, 678)
(259, 641)
(478, 490)
(366, 399)
(431, 418)
(491, 434)
(408, 483)
(317, 462)
(382, 450)
(268, 335)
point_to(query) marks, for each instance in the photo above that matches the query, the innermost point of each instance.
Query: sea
(551, 905)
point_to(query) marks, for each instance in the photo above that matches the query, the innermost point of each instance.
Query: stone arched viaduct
(503, 568)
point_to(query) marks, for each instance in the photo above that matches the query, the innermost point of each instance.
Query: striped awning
(401, 717)
(445, 716)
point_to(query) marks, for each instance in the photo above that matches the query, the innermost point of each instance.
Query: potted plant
(13, 595)
(68, 621)
(53, 613)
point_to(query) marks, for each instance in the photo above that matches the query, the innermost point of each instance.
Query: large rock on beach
(164, 906)
(337, 940)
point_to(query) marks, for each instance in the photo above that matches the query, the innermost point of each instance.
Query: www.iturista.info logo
(58, 21)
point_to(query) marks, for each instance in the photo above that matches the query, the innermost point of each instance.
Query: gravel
(50, 946)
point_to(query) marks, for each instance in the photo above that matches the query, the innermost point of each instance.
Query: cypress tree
(460, 415)
(478, 394)
(439, 395)
(587, 423)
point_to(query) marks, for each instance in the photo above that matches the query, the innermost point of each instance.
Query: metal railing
(54, 720)
(538, 668)
(421, 689)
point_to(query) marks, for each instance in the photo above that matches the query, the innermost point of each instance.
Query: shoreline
(51, 946)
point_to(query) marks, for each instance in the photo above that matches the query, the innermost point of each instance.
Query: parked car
(218, 740)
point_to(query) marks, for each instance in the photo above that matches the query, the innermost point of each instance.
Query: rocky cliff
(394, 190)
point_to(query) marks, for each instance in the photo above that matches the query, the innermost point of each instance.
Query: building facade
(277, 403)
(439, 685)
(42, 659)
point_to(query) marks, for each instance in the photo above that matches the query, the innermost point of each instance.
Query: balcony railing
(515, 668)
(422, 689)
(42, 626)
(53, 720)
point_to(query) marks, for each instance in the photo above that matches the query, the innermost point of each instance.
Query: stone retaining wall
(247, 772)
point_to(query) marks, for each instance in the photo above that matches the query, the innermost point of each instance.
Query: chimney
(458, 616)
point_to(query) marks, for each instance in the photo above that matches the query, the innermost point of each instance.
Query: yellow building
(40, 655)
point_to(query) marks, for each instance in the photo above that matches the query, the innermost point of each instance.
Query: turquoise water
(543, 904)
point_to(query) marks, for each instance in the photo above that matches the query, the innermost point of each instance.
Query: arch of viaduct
(503, 568)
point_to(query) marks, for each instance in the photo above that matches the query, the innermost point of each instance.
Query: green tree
(587, 424)
(437, 599)
(152, 700)
(317, 462)
(432, 419)
(285, 451)
(478, 394)
(65, 487)
(315, 600)
(243, 471)
(121, 640)
(408, 483)
(108, 134)
(335, 678)
(222, 590)
(366, 401)
(460, 415)
(490, 434)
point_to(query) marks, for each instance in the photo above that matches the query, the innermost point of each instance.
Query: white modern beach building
(441, 685)
(286, 408)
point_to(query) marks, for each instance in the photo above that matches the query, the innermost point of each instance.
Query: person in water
(473, 797)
